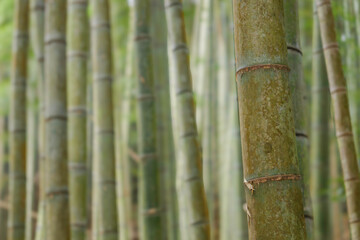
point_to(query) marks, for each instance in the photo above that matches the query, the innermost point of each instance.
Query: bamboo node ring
(250, 184)
(262, 66)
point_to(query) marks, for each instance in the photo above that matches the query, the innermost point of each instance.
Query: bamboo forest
(179, 119)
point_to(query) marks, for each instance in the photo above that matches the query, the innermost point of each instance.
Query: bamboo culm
(271, 170)
(77, 56)
(164, 134)
(320, 139)
(104, 180)
(17, 123)
(190, 185)
(341, 109)
(300, 105)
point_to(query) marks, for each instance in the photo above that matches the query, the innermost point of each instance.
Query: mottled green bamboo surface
(271, 170)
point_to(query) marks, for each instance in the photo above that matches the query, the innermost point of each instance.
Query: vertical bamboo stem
(271, 171)
(343, 126)
(320, 139)
(104, 153)
(189, 162)
(4, 177)
(17, 123)
(77, 54)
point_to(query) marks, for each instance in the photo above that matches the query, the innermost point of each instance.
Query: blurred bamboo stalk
(4, 177)
(343, 125)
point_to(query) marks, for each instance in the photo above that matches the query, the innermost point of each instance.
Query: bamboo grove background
(120, 120)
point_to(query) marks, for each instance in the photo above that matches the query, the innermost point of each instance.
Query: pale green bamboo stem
(56, 186)
(123, 168)
(320, 140)
(343, 125)
(4, 177)
(149, 188)
(77, 56)
(164, 134)
(104, 152)
(271, 170)
(17, 123)
(189, 163)
(300, 105)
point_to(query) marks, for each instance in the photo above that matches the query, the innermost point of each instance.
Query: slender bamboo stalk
(123, 164)
(164, 133)
(189, 162)
(17, 121)
(32, 159)
(351, 69)
(77, 68)
(56, 190)
(104, 153)
(300, 105)
(343, 126)
(4, 177)
(149, 188)
(271, 170)
(37, 39)
(320, 139)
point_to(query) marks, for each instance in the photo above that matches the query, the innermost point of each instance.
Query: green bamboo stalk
(32, 159)
(17, 121)
(77, 71)
(104, 178)
(351, 70)
(300, 105)
(320, 140)
(56, 186)
(149, 188)
(89, 155)
(4, 177)
(123, 167)
(164, 133)
(271, 170)
(343, 126)
(37, 39)
(189, 163)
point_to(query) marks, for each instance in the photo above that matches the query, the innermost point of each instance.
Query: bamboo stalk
(271, 171)
(320, 139)
(149, 182)
(77, 55)
(300, 105)
(4, 177)
(37, 39)
(343, 126)
(189, 163)
(104, 178)
(17, 123)
(164, 133)
(56, 186)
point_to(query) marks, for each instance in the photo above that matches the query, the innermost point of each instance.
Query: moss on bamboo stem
(271, 171)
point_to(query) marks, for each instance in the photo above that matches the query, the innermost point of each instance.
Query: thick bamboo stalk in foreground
(56, 186)
(343, 126)
(300, 105)
(149, 188)
(271, 171)
(104, 152)
(320, 139)
(77, 56)
(164, 133)
(17, 123)
(189, 165)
